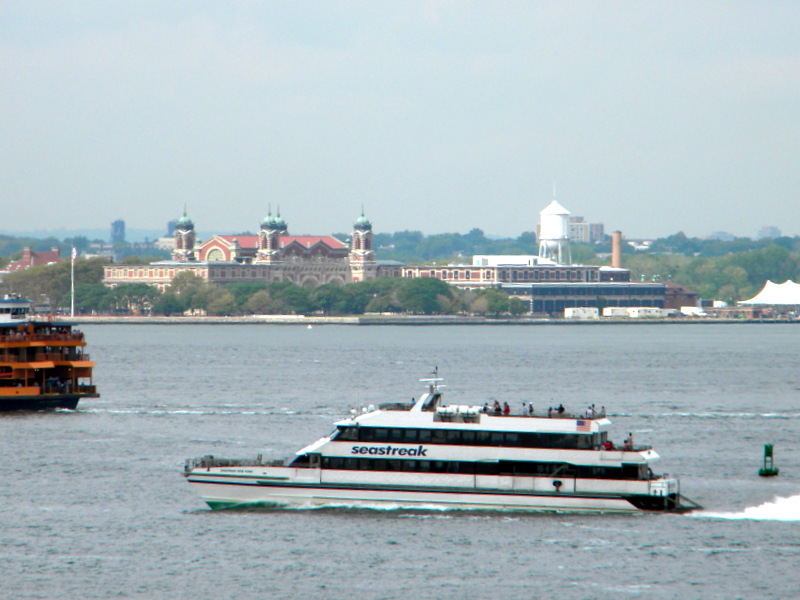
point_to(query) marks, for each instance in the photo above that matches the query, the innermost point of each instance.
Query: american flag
(583, 426)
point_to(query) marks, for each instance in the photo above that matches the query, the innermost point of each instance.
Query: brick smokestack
(616, 249)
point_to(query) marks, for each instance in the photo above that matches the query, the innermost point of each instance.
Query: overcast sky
(439, 116)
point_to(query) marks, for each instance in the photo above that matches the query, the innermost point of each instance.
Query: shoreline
(417, 320)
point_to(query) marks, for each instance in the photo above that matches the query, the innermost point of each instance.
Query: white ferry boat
(428, 455)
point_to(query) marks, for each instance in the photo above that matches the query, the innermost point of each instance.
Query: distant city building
(547, 284)
(165, 243)
(171, 226)
(721, 236)
(769, 231)
(581, 232)
(118, 232)
(34, 258)
(271, 256)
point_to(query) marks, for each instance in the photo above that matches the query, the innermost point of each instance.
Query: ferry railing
(42, 357)
(544, 414)
(209, 461)
(11, 338)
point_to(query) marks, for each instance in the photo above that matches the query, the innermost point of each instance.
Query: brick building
(272, 255)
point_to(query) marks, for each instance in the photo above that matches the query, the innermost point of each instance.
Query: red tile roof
(245, 241)
(310, 240)
(251, 241)
(35, 258)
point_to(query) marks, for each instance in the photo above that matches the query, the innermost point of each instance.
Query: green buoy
(769, 469)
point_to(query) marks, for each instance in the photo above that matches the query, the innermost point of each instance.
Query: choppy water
(94, 504)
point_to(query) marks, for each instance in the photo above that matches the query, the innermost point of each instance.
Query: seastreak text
(389, 451)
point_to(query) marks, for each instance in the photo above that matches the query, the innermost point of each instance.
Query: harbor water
(94, 504)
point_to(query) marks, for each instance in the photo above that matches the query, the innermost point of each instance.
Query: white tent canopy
(786, 293)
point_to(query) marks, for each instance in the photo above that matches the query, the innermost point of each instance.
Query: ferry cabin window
(508, 468)
(301, 462)
(347, 434)
(470, 437)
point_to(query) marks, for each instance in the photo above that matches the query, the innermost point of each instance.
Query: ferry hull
(39, 402)
(285, 494)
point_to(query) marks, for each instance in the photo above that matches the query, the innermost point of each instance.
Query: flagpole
(72, 282)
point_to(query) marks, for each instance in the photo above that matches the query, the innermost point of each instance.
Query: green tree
(168, 305)
(93, 298)
(383, 304)
(326, 297)
(421, 295)
(260, 303)
(517, 307)
(290, 298)
(54, 281)
(136, 298)
(192, 290)
(479, 305)
(496, 302)
(221, 302)
(243, 291)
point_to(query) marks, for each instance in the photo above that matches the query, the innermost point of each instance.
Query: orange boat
(42, 363)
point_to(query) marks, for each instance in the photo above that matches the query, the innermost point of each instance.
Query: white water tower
(554, 235)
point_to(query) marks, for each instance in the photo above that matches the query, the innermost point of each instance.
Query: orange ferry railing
(41, 357)
(10, 338)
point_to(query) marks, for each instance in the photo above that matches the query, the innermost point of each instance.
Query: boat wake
(780, 509)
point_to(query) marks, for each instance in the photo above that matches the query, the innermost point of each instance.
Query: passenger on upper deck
(628, 443)
(506, 409)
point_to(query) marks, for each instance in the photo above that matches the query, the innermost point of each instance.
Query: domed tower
(361, 247)
(269, 238)
(554, 235)
(184, 239)
(362, 257)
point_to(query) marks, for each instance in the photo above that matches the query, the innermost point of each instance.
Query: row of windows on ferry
(503, 467)
(505, 275)
(468, 437)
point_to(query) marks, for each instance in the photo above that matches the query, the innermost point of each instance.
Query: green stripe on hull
(228, 504)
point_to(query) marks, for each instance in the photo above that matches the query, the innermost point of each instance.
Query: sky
(437, 116)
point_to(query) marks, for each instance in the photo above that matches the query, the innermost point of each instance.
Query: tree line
(703, 266)
(190, 294)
